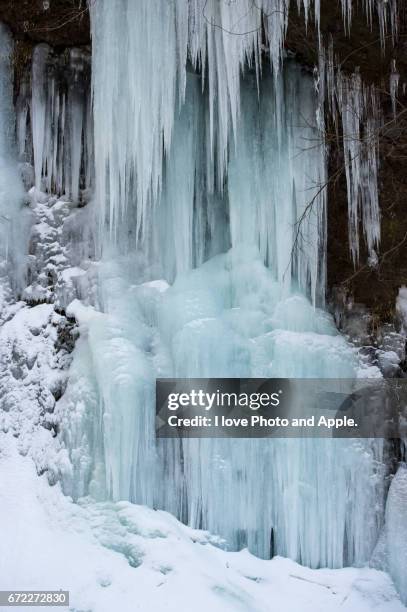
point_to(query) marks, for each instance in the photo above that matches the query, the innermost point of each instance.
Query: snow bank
(119, 556)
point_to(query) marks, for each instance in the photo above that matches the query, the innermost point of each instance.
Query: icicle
(38, 107)
(360, 158)
(358, 109)
(387, 12)
(268, 169)
(14, 219)
(347, 14)
(394, 86)
(76, 97)
(22, 110)
(387, 15)
(59, 143)
(175, 212)
(219, 37)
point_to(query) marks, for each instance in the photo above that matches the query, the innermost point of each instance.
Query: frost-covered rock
(61, 252)
(34, 359)
(36, 336)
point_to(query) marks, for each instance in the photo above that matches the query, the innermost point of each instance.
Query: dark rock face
(61, 23)
(65, 23)
(375, 287)
(360, 47)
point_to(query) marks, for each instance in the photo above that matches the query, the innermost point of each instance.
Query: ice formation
(14, 218)
(59, 114)
(215, 183)
(226, 318)
(222, 40)
(396, 530)
(209, 175)
(394, 86)
(355, 111)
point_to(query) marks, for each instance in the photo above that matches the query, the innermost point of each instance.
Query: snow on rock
(33, 368)
(389, 362)
(36, 337)
(82, 314)
(120, 556)
(60, 251)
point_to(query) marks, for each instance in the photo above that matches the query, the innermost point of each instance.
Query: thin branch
(212, 23)
(333, 178)
(76, 14)
(381, 260)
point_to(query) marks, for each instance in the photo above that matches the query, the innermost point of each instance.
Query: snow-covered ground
(122, 557)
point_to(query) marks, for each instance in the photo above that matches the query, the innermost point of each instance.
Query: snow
(120, 556)
(35, 339)
(32, 373)
(60, 241)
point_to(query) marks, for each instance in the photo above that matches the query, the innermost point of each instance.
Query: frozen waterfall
(210, 173)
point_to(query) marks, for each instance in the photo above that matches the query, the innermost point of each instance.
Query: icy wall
(221, 39)
(210, 174)
(210, 206)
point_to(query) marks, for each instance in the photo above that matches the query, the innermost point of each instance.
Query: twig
(254, 5)
(381, 260)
